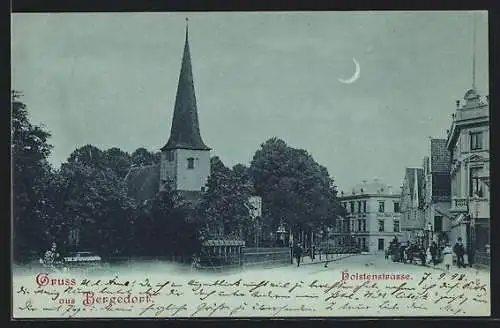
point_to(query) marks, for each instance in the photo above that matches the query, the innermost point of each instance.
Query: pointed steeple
(185, 130)
(415, 190)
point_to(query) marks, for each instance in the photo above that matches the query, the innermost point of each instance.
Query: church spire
(185, 130)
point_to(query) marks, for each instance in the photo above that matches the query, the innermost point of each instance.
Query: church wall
(168, 168)
(192, 179)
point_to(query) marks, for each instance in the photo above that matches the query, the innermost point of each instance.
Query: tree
(31, 176)
(295, 189)
(88, 155)
(143, 157)
(225, 203)
(163, 227)
(94, 201)
(117, 160)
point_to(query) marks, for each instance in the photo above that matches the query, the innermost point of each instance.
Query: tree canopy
(85, 203)
(295, 189)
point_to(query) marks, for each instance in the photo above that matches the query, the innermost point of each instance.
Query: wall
(189, 179)
(168, 168)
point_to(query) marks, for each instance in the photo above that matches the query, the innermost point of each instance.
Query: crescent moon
(356, 75)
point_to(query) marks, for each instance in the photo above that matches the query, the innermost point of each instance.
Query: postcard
(250, 164)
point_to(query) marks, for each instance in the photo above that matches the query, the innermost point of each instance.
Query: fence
(482, 258)
(266, 256)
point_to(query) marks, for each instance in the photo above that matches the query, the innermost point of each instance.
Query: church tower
(185, 159)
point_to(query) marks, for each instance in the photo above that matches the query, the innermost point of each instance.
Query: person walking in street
(459, 250)
(298, 253)
(433, 250)
(313, 253)
(448, 256)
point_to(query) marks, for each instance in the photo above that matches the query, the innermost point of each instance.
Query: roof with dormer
(369, 188)
(440, 156)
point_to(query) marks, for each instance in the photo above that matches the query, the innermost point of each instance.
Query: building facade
(437, 193)
(372, 219)
(412, 204)
(468, 144)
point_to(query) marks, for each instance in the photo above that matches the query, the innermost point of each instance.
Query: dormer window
(190, 163)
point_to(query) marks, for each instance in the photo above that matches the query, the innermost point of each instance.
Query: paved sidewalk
(306, 260)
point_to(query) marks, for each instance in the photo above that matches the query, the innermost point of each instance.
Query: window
(396, 207)
(363, 242)
(170, 156)
(364, 206)
(352, 206)
(438, 224)
(476, 141)
(190, 163)
(381, 244)
(396, 225)
(381, 207)
(364, 225)
(359, 225)
(381, 225)
(359, 207)
(475, 186)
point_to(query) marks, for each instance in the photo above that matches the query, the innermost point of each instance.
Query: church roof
(144, 182)
(185, 130)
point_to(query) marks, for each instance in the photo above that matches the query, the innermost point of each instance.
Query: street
(373, 263)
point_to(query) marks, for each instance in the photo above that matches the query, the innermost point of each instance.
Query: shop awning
(459, 219)
(445, 213)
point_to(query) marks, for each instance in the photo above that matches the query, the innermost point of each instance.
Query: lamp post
(281, 233)
(428, 235)
(472, 230)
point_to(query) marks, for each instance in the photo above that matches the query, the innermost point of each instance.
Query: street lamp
(472, 229)
(281, 233)
(428, 231)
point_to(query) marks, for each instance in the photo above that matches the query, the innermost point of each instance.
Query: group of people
(434, 254)
(459, 251)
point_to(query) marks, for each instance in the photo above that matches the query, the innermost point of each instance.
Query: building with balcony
(372, 217)
(437, 193)
(468, 144)
(412, 204)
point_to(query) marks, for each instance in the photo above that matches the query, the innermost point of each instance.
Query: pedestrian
(313, 253)
(447, 256)
(298, 253)
(387, 253)
(459, 250)
(433, 249)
